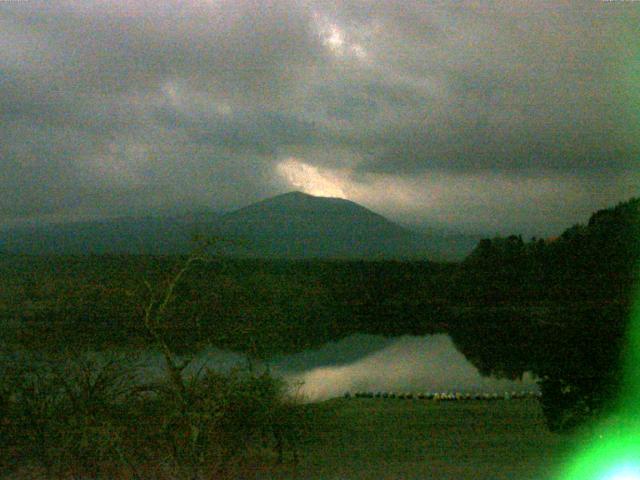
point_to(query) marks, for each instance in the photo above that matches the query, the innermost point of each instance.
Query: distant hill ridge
(293, 225)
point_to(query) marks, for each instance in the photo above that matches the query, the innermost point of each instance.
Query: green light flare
(613, 453)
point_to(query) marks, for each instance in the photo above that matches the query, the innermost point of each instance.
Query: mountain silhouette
(298, 225)
(292, 225)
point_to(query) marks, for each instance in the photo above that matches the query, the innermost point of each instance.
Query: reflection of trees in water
(579, 338)
(575, 351)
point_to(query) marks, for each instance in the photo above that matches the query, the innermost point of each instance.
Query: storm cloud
(489, 116)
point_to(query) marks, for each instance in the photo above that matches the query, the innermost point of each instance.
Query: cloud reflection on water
(403, 364)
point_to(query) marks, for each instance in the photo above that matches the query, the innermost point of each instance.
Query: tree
(209, 418)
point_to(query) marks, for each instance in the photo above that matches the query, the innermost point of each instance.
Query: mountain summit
(296, 209)
(298, 225)
(299, 201)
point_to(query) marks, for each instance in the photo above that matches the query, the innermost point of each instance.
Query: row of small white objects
(446, 396)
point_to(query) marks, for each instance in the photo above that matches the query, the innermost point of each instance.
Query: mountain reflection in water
(375, 363)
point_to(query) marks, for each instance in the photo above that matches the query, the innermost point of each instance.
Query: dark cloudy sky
(489, 116)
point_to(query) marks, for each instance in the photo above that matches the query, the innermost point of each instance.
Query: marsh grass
(88, 417)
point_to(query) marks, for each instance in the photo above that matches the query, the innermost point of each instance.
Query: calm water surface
(375, 363)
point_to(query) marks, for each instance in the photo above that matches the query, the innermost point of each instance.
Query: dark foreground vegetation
(555, 307)
(93, 418)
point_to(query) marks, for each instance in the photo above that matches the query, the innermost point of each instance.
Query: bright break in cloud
(503, 115)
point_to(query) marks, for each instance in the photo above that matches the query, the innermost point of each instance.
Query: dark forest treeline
(272, 306)
(595, 261)
(559, 308)
(581, 282)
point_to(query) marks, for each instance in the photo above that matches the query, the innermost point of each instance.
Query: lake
(374, 363)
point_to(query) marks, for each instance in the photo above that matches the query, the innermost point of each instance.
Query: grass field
(377, 439)
(415, 439)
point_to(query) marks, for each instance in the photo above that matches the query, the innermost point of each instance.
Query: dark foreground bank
(415, 439)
